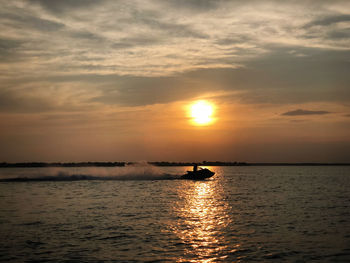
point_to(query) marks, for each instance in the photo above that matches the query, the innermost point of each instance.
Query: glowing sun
(201, 112)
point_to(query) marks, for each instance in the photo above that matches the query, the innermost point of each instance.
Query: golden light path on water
(203, 215)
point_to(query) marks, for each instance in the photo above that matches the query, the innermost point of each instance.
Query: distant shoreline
(165, 164)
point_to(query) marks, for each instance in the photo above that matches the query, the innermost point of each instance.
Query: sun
(201, 112)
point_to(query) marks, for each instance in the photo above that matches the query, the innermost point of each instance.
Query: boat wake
(139, 171)
(82, 177)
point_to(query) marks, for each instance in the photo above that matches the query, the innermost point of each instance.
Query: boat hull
(198, 175)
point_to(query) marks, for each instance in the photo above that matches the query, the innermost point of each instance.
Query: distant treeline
(81, 164)
(116, 164)
(204, 163)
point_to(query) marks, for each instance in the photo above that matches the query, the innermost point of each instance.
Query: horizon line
(163, 163)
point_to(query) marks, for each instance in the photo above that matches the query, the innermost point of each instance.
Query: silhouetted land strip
(120, 164)
(50, 178)
(81, 164)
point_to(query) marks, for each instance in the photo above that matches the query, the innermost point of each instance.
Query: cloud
(146, 52)
(8, 48)
(275, 78)
(11, 101)
(41, 96)
(301, 112)
(329, 20)
(139, 91)
(193, 5)
(25, 20)
(339, 34)
(86, 35)
(144, 38)
(332, 28)
(59, 6)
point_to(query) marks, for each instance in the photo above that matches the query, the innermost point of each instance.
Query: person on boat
(195, 167)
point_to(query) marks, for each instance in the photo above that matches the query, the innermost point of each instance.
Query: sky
(112, 80)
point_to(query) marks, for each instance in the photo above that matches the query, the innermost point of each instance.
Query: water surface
(243, 214)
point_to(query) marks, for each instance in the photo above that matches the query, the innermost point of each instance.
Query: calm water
(243, 214)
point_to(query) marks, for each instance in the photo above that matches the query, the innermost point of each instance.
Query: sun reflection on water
(202, 218)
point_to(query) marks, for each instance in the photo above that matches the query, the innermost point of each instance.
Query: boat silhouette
(201, 174)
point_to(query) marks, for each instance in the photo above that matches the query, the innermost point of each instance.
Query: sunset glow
(129, 80)
(202, 112)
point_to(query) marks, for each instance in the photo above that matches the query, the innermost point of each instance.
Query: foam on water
(137, 171)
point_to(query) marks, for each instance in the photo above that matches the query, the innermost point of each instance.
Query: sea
(143, 213)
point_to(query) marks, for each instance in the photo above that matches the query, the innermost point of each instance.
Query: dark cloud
(329, 31)
(154, 21)
(16, 101)
(328, 20)
(16, 50)
(141, 40)
(7, 44)
(279, 77)
(8, 48)
(21, 21)
(235, 39)
(179, 30)
(301, 112)
(339, 34)
(137, 91)
(283, 76)
(193, 5)
(317, 75)
(86, 35)
(41, 97)
(59, 6)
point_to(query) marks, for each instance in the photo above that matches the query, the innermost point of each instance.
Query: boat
(201, 174)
